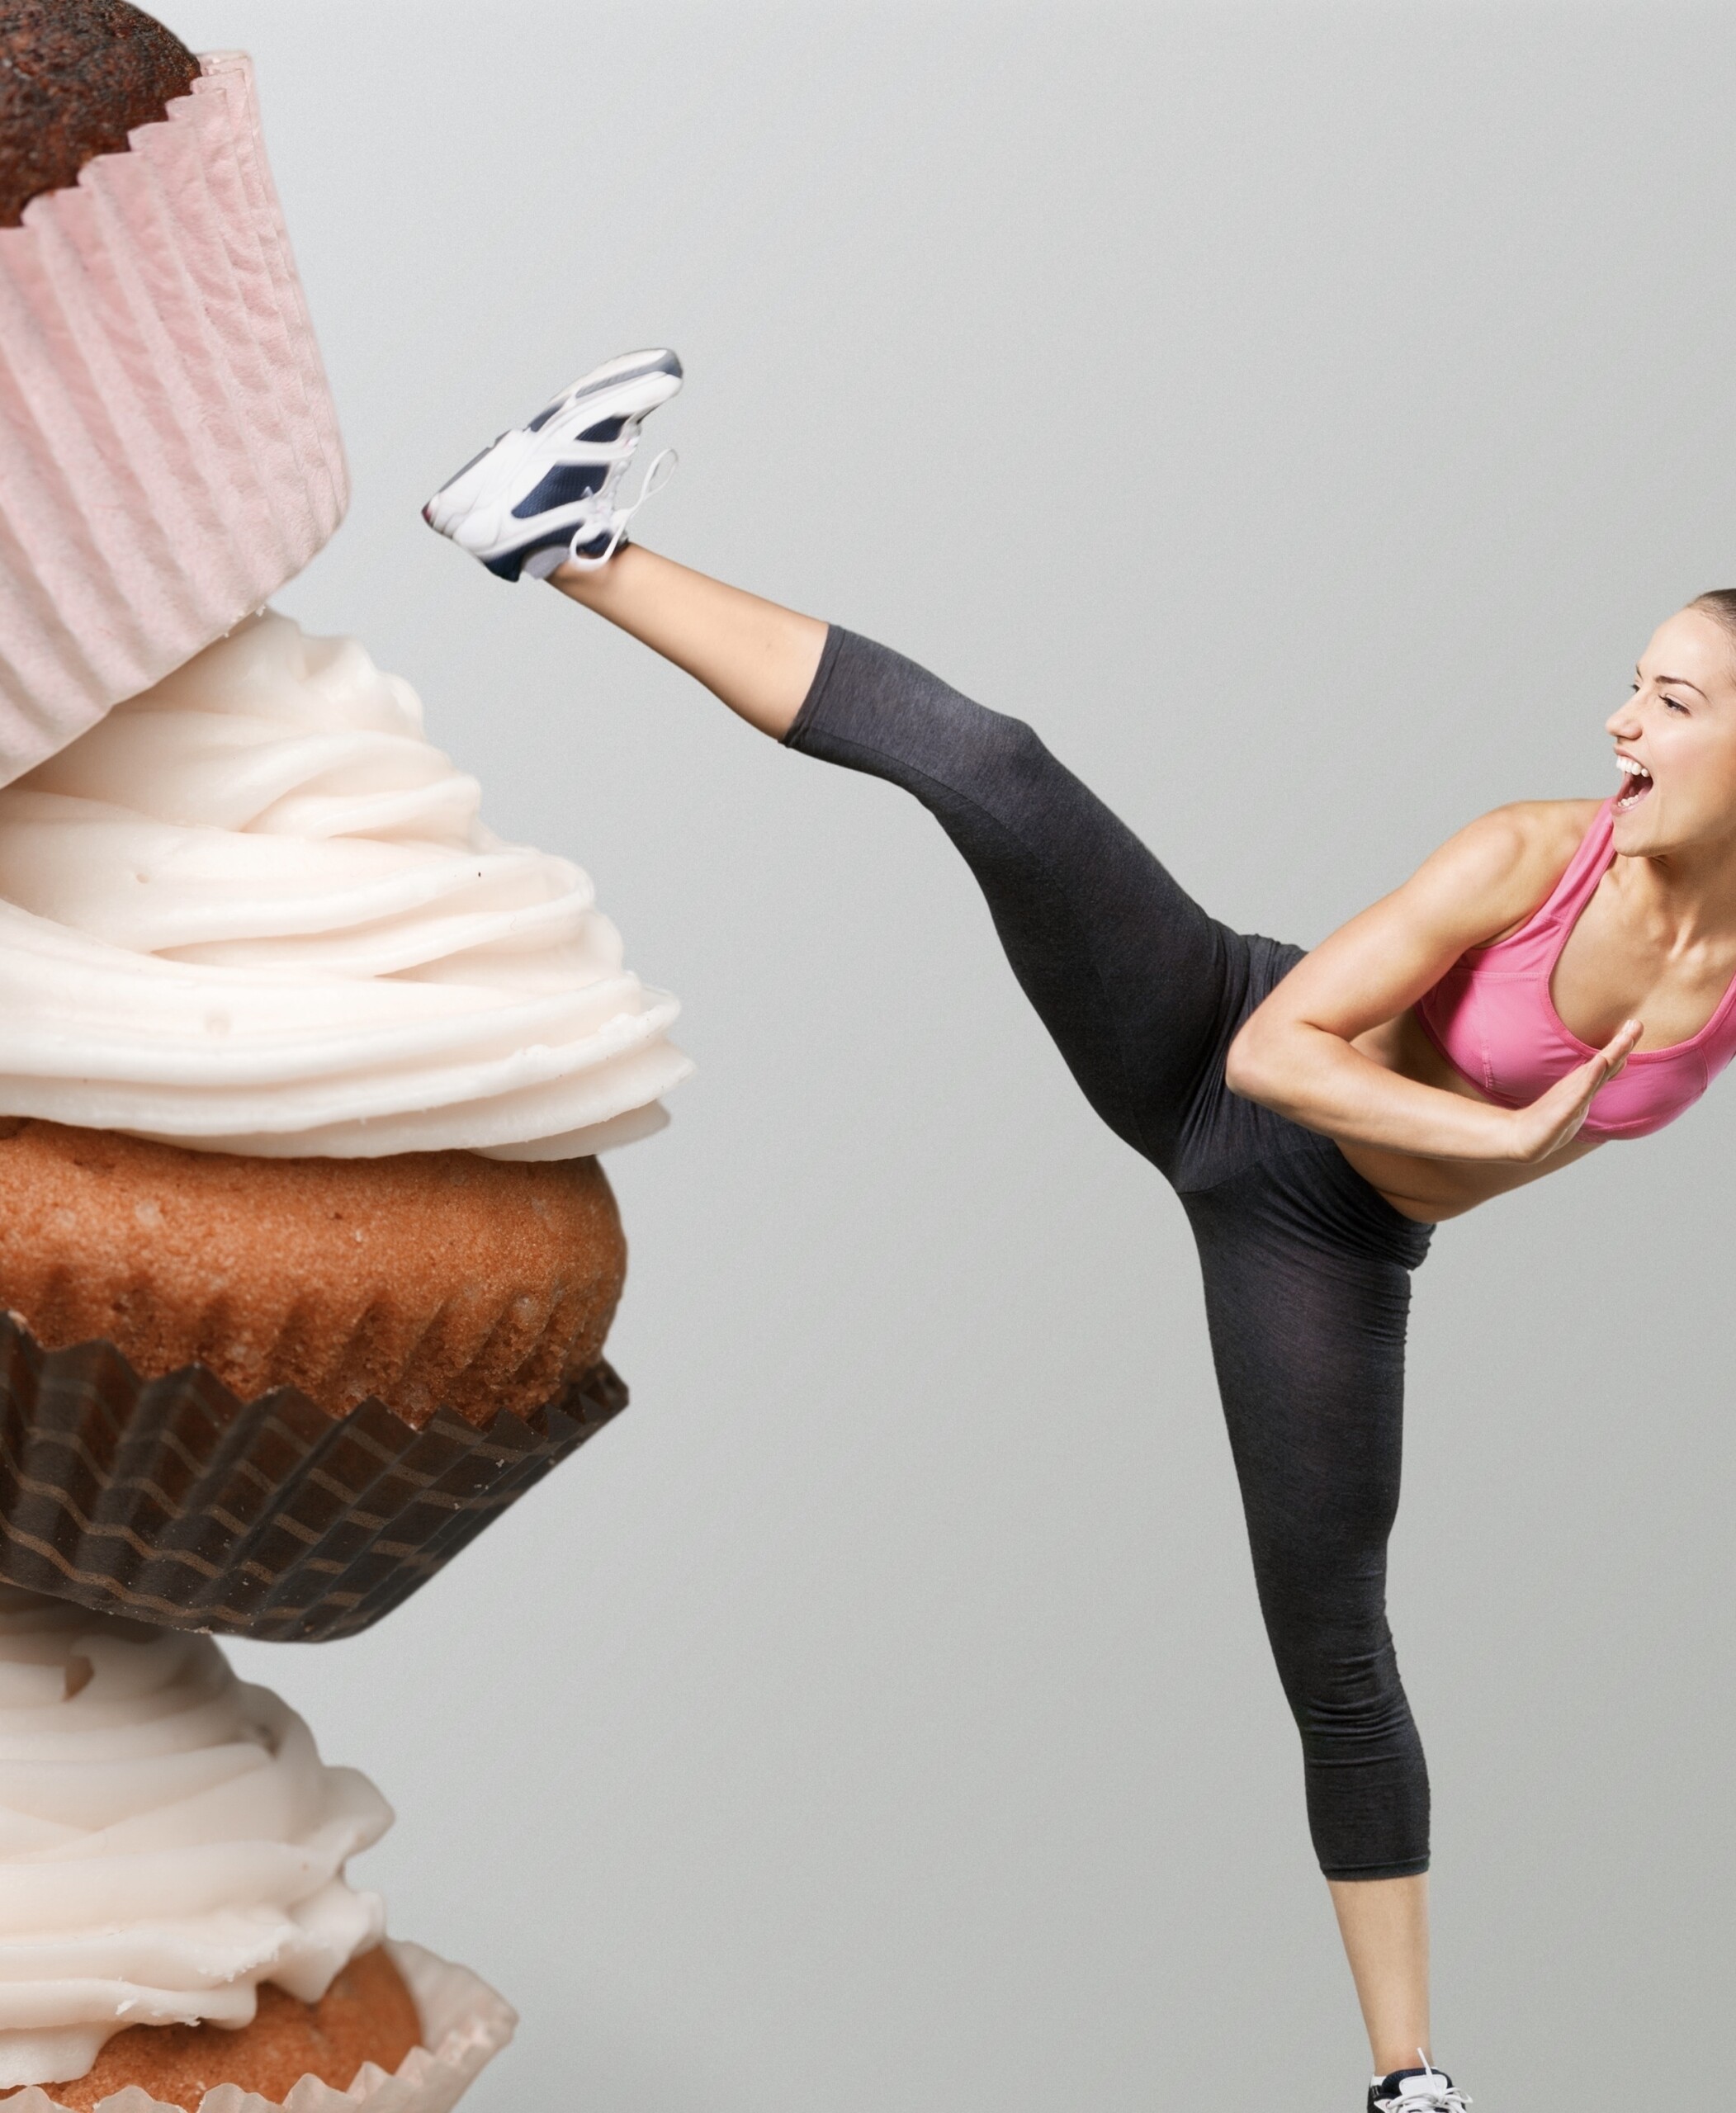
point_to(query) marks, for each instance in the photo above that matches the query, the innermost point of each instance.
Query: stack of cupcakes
(306, 1260)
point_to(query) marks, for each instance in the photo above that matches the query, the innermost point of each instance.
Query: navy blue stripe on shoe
(511, 564)
(565, 485)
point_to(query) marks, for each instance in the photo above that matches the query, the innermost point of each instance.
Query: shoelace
(614, 518)
(1418, 2095)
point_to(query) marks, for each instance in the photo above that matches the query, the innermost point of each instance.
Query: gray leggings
(1306, 1269)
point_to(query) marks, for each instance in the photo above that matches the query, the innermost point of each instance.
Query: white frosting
(169, 1839)
(254, 910)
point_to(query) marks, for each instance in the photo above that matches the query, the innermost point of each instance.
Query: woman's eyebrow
(1677, 682)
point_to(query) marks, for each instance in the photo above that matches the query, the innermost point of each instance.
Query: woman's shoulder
(1540, 832)
(1512, 858)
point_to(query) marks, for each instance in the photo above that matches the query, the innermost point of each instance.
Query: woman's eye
(1675, 705)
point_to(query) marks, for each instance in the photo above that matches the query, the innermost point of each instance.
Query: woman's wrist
(1502, 1135)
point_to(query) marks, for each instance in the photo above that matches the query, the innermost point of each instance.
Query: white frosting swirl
(169, 1839)
(254, 910)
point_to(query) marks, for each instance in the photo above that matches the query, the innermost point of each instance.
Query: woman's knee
(1335, 1658)
(990, 749)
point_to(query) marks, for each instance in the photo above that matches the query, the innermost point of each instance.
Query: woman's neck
(1688, 895)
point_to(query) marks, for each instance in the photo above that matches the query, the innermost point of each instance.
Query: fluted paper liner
(169, 453)
(172, 1501)
(464, 2024)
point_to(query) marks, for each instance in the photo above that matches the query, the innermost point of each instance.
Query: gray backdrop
(1303, 414)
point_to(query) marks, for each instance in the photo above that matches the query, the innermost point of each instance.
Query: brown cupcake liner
(172, 1501)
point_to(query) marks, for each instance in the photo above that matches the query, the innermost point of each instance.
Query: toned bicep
(1488, 876)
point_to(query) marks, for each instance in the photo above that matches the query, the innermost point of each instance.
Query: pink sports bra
(1491, 1017)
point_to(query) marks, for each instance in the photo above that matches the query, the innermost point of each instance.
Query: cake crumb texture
(76, 76)
(421, 1279)
(367, 2015)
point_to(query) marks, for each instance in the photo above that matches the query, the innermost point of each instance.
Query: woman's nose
(1623, 723)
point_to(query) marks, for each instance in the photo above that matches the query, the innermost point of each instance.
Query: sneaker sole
(631, 367)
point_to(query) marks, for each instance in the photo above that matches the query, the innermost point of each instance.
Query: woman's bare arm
(1295, 1054)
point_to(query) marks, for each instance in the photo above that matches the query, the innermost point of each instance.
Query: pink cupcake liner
(169, 453)
(464, 2025)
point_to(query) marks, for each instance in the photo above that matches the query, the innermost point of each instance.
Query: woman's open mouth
(1638, 784)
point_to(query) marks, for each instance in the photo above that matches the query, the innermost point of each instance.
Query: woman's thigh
(1137, 984)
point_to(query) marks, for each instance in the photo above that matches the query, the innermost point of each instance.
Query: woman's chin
(1634, 829)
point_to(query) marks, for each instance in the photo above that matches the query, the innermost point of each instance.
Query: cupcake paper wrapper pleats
(172, 1501)
(169, 454)
(465, 2025)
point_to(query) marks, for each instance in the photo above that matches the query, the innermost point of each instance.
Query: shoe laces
(1420, 2094)
(614, 519)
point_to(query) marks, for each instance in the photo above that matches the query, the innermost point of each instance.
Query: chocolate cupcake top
(76, 76)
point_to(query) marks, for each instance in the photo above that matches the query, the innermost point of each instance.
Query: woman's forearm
(1318, 1080)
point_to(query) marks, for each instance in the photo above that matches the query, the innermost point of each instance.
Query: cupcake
(175, 1910)
(306, 1260)
(306, 1254)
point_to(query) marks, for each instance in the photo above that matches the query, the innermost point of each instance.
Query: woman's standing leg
(1307, 1276)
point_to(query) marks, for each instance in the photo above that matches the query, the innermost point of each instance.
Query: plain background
(1303, 415)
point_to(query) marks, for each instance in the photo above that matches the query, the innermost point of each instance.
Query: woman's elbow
(1248, 1067)
(1284, 1063)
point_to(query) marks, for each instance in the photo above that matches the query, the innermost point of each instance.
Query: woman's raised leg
(1138, 986)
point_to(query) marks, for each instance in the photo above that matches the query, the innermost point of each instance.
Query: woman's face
(1678, 727)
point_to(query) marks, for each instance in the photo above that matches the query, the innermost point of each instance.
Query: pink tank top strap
(1578, 884)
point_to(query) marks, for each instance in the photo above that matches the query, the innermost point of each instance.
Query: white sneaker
(547, 493)
(1426, 2090)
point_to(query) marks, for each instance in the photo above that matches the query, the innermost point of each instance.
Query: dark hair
(1720, 602)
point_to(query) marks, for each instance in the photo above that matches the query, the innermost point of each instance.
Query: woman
(1558, 973)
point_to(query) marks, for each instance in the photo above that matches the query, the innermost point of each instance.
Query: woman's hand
(1553, 1118)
